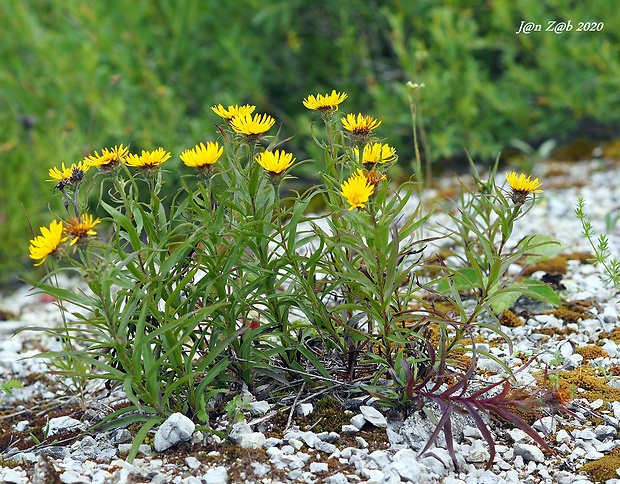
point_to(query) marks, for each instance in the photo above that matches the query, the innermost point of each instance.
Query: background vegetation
(78, 76)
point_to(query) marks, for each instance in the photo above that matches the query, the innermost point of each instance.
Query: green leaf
(463, 279)
(541, 291)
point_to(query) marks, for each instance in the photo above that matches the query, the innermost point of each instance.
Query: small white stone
(192, 462)
(259, 408)
(260, 469)
(562, 436)
(373, 475)
(254, 440)
(219, 475)
(303, 456)
(63, 424)
(610, 313)
(594, 455)
(529, 452)
(22, 425)
(603, 432)
(316, 467)
(349, 429)
(295, 443)
(177, 428)
(596, 404)
(518, 435)
(274, 453)
(605, 446)
(373, 416)
(611, 348)
(567, 348)
(304, 409)
(358, 421)
(272, 442)
(362, 442)
(546, 425)
(339, 478)
(287, 449)
(381, 458)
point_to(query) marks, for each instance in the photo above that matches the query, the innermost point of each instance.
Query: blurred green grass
(78, 76)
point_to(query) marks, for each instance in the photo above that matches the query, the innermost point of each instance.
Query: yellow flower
(68, 175)
(325, 102)
(233, 111)
(252, 126)
(202, 156)
(275, 161)
(148, 160)
(376, 153)
(80, 227)
(522, 187)
(109, 159)
(361, 125)
(357, 190)
(47, 243)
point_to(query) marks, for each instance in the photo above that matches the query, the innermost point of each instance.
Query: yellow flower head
(376, 153)
(79, 228)
(47, 243)
(232, 111)
(357, 190)
(109, 159)
(361, 125)
(522, 187)
(68, 176)
(148, 160)
(275, 161)
(202, 157)
(325, 102)
(250, 126)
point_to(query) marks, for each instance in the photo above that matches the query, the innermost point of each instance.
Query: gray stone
(295, 474)
(358, 421)
(339, 478)
(272, 442)
(176, 429)
(329, 437)
(119, 436)
(349, 429)
(63, 424)
(405, 462)
(381, 458)
(304, 409)
(259, 408)
(260, 469)
(316, 467)
(192, 462)
(295, 443)
(325, 447)
(610, 313)
(254, 440)
(219, 475)
(373, 475)
(603, 432)
(373, 416)
(239, 429)
(529, 452)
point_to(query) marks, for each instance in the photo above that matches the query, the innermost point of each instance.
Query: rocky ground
(44, 427)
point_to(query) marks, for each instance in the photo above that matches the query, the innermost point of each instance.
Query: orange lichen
(591, 352)
(510, 319)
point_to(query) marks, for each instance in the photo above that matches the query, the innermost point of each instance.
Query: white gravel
(309, 457)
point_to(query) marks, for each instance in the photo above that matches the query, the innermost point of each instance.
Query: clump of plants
(232, 282)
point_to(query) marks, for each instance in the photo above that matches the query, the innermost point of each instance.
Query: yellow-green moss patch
(604, 468)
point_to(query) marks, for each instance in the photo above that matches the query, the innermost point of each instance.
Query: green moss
(604, 468)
